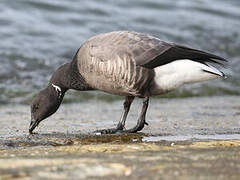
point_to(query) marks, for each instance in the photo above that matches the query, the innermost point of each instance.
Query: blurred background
(38, 36)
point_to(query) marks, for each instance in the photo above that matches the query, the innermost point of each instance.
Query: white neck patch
(58, 89)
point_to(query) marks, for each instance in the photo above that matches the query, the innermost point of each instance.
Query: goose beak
(33, 125)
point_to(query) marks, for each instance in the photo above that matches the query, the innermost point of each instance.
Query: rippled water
(38, 36)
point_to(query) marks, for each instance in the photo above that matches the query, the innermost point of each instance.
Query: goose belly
(177, 73)
(118, 76)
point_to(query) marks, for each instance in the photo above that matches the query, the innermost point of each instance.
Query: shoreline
(198, 160)
(196, 138)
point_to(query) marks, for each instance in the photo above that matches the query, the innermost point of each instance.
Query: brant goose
(130, 64)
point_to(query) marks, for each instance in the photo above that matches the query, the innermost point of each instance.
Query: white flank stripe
(170, 76)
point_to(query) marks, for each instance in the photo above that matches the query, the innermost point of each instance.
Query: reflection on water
(38, 36)
(193, 137)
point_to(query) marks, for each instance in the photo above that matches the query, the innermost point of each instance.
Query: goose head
(45, 104)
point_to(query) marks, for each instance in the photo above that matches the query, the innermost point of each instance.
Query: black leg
(141, 120)
(121, 125)
(127, 104)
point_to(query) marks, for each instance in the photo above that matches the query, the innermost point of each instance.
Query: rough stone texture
(188, 116)
(199, 160)
(193, 138)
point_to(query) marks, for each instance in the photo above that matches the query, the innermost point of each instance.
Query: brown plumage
(130, 64)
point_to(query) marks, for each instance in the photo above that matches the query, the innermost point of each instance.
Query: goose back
(123, 62)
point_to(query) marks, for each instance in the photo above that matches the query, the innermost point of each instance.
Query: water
(191, 137)
(38, 36)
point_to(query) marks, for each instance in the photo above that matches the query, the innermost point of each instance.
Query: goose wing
(157, 57)
(151, 52)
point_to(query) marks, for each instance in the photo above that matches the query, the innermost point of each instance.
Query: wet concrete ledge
(118, 159)
(192, 138)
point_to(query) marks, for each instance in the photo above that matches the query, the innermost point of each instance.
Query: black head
(45, 104)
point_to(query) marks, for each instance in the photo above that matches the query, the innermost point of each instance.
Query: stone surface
(186, 116)
(197, 160)
(191, 138)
